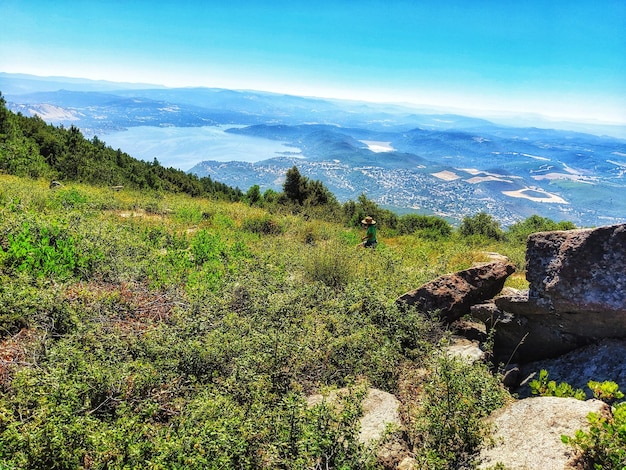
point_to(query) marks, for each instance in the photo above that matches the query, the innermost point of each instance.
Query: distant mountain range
(402, 158)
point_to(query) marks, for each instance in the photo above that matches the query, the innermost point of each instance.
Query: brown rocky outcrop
(571, 321)
(452, 295)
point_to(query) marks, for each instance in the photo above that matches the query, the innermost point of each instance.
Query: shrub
(603, 447)
(47, 250)
(482, 224)
(456, 396)
(329, 264)
(25, 302)
(265, 225)
(606, 391)
(425, 225)
(519, 231)
(207, 247)
(71, 198)
(189, 214)
(549, 388)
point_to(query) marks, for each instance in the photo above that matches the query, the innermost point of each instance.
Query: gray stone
(600, 362)
(380, 409)
(579, 271)
(466, 349)
(528, 433)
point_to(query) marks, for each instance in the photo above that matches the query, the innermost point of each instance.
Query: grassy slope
(155, 330)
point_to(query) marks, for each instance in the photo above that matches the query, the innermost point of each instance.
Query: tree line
(31, 148)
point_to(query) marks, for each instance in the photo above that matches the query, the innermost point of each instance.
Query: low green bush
(481, 225)
(603, 447)
(330, 264)
(426, 226)
(264, 225)
(50, 250)
(518, 232)
(457, 395)
(549, 388)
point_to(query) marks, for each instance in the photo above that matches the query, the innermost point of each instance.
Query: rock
(391, 455)
(380, 409)
(408, 463)
(514, 300)
(493, 256)
(452, 295)
(471, 330)
(577, 295)
(600, 362)
(486, 312)
(519, 338)
(465, 349)
(581, 274)
(527, 433)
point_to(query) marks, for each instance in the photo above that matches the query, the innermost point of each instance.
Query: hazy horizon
(562, 60)
(498, 117)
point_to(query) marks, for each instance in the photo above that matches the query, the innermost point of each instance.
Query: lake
(184, 147)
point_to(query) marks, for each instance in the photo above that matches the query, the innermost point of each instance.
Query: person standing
(369, 240)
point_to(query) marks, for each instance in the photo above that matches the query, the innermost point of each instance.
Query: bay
(184, 147)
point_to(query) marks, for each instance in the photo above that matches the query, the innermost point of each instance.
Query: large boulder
(580, 272)
(452, 295)
(527, 433)
(576, 295)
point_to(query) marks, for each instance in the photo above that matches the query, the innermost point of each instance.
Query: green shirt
(370, 235)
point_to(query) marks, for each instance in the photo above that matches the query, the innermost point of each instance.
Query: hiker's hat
(368, 221)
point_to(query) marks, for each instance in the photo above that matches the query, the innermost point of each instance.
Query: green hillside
(165, 326)
(30, 147)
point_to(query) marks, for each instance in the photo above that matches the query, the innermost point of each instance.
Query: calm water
(184, 147)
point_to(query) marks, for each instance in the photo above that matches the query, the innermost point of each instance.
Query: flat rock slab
(528, 433)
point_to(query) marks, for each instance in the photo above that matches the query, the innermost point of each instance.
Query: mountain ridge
(441, 163)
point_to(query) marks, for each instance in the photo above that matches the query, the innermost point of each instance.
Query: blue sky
(563, 59)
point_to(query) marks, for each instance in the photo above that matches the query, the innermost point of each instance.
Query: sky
(560, 59)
